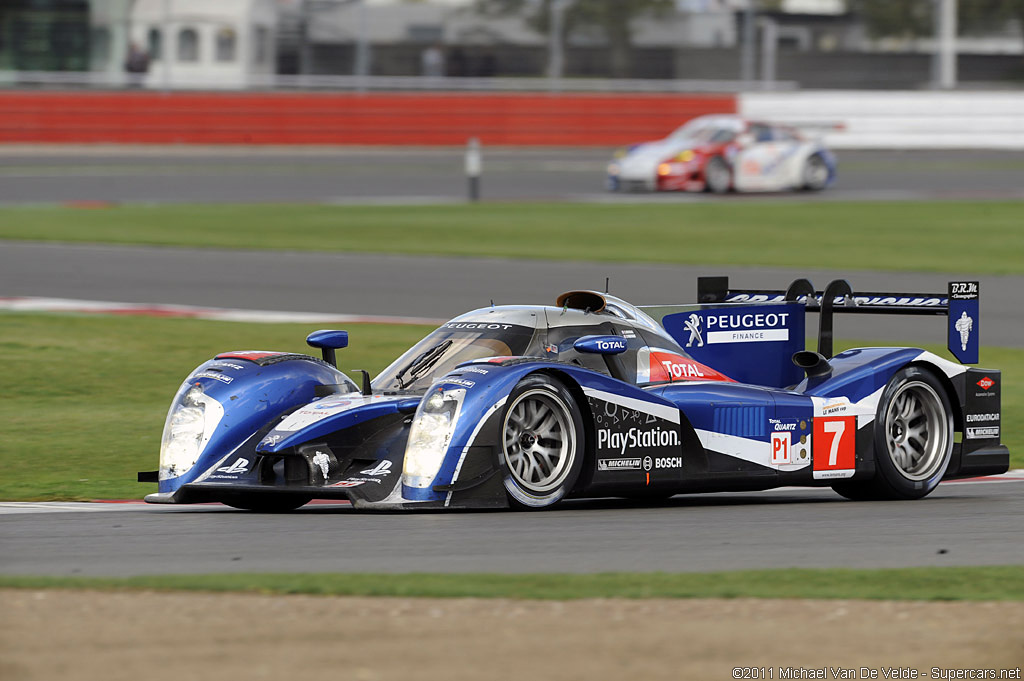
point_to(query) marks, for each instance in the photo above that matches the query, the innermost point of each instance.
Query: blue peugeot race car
(524, 406)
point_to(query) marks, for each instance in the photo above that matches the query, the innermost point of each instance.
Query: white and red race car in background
(721, 153)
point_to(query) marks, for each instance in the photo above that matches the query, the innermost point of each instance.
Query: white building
(200, 43)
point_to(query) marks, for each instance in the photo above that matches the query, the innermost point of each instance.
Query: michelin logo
(963, 327)
(635, 438)
(618, 464)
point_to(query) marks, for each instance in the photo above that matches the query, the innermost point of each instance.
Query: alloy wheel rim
(816, 174)
(916, 430)
(537, 444)
(718, 177)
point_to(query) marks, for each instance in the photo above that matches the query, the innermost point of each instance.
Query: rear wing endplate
(961, 304)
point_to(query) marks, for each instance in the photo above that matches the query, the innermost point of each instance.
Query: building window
(188, 44)
(154, 43)
(226, 43)
(100, 47)
(262, 47)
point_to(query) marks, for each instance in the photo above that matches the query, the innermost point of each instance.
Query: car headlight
(613, 169)
(190, 423)
(430, 435)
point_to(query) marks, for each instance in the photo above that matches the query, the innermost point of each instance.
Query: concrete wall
(865, 119)
(898, 120)
(351, 118)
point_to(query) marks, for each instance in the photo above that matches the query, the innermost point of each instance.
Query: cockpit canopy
(535, 331)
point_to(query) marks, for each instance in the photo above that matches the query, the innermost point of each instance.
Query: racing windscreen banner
(964, 321)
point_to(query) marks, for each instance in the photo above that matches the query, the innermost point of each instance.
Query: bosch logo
(648, 463)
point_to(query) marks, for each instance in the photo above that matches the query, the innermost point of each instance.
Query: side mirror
(328, 341)
(600, 345)
(610, 347)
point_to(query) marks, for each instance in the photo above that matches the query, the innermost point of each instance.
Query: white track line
(18, 507)
(35, 304)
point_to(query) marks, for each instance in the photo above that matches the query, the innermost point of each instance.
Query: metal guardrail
(155, 80)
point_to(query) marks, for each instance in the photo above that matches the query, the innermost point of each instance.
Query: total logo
(670, 366)
(680, 371)
(611, 345)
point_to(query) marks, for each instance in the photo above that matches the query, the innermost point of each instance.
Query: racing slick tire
(718, 176)
(542, 443)
(266, 503)
(814, 176)
(913, 439)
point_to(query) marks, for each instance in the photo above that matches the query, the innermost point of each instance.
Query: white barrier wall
(897, 120)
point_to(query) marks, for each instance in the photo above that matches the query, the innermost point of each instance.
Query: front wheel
(542, 443)
(815, 174)
(718, 176)
(913, 439)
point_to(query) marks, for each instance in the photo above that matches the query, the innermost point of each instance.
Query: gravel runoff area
(84, 635)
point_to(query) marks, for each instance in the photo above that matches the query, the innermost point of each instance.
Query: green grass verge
(86, 396)
(940, 237)
(945, 583)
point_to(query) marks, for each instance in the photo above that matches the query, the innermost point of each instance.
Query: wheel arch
(586, 413)
(955, 402)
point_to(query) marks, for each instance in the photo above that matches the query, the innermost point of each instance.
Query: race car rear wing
(961, 304)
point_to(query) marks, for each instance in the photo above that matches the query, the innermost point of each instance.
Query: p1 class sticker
(835, 451)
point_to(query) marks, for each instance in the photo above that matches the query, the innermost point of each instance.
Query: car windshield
(688, 130)
(448, 346)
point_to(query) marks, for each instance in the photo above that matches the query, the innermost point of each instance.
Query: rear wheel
(913, 439)
(542, 444)
(718, 176)
(266, 503)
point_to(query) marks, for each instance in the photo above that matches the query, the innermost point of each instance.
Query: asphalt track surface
(974, 523)
(441, 288)
(345, 175)
(960, 524)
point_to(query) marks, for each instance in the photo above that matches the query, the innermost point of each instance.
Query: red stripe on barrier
(577, 119)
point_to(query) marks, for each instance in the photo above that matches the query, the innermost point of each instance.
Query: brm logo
(635, 438)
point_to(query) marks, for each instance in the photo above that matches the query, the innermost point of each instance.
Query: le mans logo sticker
(835, 453)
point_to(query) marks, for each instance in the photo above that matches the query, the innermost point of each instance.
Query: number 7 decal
(835, 451)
